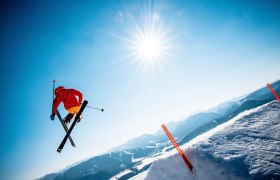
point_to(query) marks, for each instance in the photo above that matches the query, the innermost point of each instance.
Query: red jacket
(68, 97)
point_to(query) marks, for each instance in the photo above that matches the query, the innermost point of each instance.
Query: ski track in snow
(245, 147)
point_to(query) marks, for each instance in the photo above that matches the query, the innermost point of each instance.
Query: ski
(59, 149)
(65, 127)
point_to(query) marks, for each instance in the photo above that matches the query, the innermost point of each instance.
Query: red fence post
(188, 163)
(273, 92)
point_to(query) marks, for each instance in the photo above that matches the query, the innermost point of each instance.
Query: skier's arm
(56, 103)
(80, 95)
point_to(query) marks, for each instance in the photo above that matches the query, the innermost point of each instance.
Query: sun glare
(148, 47)
(147, 39)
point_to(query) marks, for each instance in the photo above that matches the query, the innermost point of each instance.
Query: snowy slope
(246, 147)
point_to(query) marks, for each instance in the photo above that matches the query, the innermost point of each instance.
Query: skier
(71, 103)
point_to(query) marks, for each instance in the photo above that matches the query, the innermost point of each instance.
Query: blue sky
(216, 50)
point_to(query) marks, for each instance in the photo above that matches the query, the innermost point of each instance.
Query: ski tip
(59, 150)
(74, 145)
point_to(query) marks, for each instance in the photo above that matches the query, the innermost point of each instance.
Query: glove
(52, 116)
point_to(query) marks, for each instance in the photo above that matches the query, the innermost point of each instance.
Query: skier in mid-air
(70, 101)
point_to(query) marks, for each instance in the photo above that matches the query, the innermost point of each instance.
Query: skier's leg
(75, 110)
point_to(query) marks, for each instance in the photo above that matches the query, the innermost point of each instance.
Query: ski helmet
(58, 90)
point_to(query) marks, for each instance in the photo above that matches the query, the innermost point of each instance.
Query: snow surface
(245, 147)
(118, 176)
(139, 176)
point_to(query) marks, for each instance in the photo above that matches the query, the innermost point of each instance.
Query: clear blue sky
(214, 51)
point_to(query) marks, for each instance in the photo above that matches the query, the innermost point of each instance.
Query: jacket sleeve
(56, 103)
(80, 95)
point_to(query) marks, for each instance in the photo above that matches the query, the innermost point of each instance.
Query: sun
(146, 40)
(149, 47)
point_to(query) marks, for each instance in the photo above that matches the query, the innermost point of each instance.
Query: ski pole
(96, 108)
(53, 89)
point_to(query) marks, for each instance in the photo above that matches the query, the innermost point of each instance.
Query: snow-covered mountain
(141, 141)
(245, 147)
(199, 123)
(133, 158)
(254, 99)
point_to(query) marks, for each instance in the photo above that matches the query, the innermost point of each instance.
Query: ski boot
(80, 118)
(68, 118)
